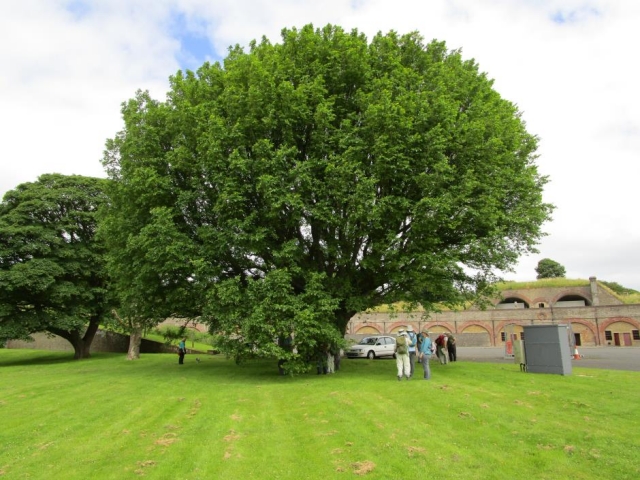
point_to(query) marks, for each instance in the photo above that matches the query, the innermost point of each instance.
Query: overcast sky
(570, 66)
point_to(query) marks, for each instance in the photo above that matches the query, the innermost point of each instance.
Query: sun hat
(401, 331)
(409, 328)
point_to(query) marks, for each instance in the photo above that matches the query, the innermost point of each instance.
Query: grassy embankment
(108, 418)
(627, 298)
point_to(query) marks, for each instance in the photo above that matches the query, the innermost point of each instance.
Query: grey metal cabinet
(547, 349)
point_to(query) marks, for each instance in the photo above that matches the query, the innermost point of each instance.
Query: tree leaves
(51, 266)
(548, 268)
(324, 170)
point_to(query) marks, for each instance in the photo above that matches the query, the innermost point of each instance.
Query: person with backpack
(402, 355)
(413, 340)
(425, 352)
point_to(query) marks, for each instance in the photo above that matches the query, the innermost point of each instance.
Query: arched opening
(621, 334)
(582, 335)
(476, 336)
(572, 301)
(512, 303)
(367, 330)
(438, 329)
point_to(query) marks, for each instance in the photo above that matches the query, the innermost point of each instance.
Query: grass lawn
(109, 418)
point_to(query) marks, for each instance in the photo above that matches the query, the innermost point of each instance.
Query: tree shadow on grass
(23, 357)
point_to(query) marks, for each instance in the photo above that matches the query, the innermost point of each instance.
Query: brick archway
(372, 330)
(588, 326)
(518, 296)
(570, 293)
(616, 339)
(438, 327)
(611, 320)
(480, 334)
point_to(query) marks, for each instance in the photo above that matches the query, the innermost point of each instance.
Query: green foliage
(631, 299)
(299, 183)
(52, 275)
(170, 333)
(628, 298)
(215, 419)
(548, 268)
(619, 289)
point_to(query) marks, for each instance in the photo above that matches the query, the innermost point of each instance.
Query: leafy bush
(170, 333)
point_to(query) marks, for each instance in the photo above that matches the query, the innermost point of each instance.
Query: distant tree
(303, 182)
(52, 276)
(548, 268)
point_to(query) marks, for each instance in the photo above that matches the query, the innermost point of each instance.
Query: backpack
(401, 345)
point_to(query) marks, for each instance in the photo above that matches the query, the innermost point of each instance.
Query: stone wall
(103, 342)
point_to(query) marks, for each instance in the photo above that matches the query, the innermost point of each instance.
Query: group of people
(411, 347)
(446, 345)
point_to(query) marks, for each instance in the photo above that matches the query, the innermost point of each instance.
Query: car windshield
(368, 341)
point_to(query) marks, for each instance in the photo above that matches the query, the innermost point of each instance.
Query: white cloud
(65, 67)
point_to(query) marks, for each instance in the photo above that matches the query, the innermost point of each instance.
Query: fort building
(596, 315)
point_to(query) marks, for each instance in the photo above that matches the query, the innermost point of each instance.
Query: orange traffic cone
(576, 354)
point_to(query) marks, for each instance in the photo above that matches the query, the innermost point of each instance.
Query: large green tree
(52, 275)
(548, 268)
(299, 183)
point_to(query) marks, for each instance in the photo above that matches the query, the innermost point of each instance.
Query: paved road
(611, 358)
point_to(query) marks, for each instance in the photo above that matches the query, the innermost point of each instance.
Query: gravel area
(611, 358)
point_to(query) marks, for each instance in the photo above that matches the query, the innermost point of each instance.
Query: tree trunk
(89, 335)
(135, 339)
(342, 317)
(81, 344)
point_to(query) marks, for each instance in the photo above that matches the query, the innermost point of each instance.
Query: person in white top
(402, 355)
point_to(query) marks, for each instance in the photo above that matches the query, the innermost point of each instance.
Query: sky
(571, 66)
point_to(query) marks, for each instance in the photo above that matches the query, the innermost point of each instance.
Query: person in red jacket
(441, 348)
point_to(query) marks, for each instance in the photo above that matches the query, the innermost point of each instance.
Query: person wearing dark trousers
(451, 348)
(182, 350)
(425, 352)
(413, 340)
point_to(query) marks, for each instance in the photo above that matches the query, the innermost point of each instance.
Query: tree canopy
(52, 275)
(299, 183)
(548, 268)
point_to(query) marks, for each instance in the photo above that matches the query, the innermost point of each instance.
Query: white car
(373, 347)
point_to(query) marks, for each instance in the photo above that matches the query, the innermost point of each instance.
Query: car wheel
(371, 355)
(394, 356)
